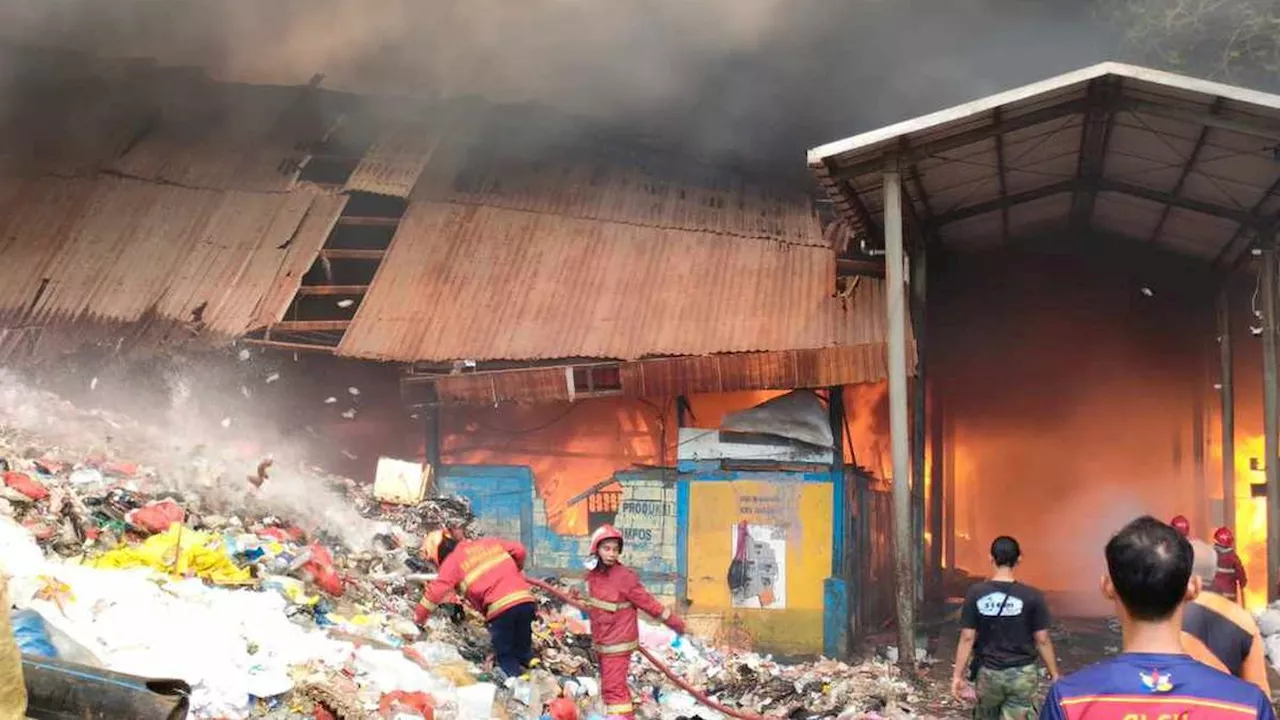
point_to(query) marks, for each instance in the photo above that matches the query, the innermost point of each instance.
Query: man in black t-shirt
(1004, 625)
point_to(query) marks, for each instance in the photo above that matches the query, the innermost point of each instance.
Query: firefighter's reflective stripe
(430, 606)
(618, 648)
(507, 601)
(484, 567)
(627, 709)
(666, 614)
(606, 605)
(1227, 570)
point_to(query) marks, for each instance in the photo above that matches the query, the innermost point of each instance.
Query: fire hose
(661, 666)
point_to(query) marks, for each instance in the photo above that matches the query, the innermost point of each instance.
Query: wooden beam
(368, 221)
(1253, 126)
(866, 268)
(281, 345)
(925, 150)
(312, 290)
(341, 254)
(309, 325)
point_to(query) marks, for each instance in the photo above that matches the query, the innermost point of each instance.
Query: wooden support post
(1202, 519)
(896, 302)
(1271, 418)
(1226, 396)
(431, 422)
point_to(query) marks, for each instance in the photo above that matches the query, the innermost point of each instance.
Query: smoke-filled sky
(759, 77)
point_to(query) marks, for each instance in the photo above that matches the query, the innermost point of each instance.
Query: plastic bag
(24, 484)
(32, 636)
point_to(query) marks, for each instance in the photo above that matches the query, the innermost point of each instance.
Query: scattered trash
(226, 422)
(354, 391)
(164, 564)
(344, 304)
(1147, 291)
(243, 355)
(93, 384)
(273, 377)
(350, 414)
(330, 400)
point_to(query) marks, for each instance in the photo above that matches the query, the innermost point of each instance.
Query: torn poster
(764, 566)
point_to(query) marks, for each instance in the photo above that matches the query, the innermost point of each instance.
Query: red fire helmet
(602, 533)
(1224, 537)
(1182, 525)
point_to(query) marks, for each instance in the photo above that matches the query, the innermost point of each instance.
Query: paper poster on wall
(758, 571)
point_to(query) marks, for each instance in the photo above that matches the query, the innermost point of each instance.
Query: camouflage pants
(1008, 694)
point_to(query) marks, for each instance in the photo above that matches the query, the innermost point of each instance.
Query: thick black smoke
(758, 78)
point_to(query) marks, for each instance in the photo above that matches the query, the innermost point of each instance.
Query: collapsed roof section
(1188, 165)
(446, 235)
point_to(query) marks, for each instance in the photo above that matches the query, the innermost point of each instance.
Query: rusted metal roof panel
(539, 385)
(226, 137)
(115, 251)
(489, 162)
(486, 283)
(393, 163)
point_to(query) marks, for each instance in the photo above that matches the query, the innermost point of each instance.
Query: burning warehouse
(578, 330)
(1143, 206)
(1030, 306)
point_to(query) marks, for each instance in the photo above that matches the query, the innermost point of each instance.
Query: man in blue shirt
(1149, 579)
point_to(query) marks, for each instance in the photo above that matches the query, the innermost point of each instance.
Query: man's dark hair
(1005, 551)
(1149, 564)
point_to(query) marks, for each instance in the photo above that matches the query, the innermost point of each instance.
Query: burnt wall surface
(1069, 376)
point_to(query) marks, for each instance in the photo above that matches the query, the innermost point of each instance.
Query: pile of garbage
(210, 565)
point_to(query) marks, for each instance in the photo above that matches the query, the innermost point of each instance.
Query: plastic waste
(320, 568)
(156, 517)
(400, 704)
(476, 701)
(24, 484)
(31, 634)
(86, 476)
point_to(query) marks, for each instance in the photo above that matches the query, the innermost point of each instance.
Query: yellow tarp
(180, 551)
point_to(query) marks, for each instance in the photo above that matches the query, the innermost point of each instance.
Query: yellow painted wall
(804, 510)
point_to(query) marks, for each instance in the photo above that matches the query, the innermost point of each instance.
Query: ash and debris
(277, 590)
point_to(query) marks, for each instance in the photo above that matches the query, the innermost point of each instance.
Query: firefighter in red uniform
(1182, 525)
(1230, 579)
(614, 595)
(488, 572)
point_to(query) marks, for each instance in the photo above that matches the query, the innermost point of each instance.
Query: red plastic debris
(291, 534)
(41, 531)
(49, 466)
(156, 517)
(399, 702)
(320, 568)
(26, 485)
(322, 713)
(96, 459)
(121, 469)
(562, 709)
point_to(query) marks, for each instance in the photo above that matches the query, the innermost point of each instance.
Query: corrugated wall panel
(392, 165)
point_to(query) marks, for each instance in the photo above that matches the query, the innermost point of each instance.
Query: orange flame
(1251, 520)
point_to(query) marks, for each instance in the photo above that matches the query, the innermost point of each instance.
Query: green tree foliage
(1236, 41)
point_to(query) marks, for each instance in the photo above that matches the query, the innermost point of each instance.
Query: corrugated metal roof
(668, 377)
(392, 165)
(226, 137)
(1159, 158)
(498, 159)
(111, 250)
(487, 283)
